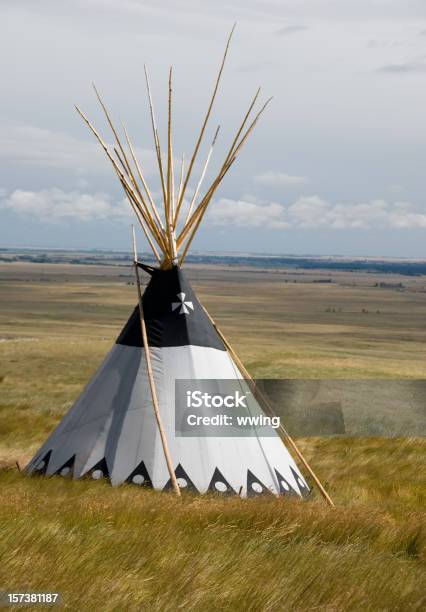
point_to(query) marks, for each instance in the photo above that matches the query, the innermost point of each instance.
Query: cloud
(280, 179)
(244, 213)
(403, 68)
(57, 205)
(41, 147)
(290, 29)
(311, 212)
(307, 212)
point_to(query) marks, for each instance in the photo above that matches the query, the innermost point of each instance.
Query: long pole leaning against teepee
(285, 436)
(153, 388)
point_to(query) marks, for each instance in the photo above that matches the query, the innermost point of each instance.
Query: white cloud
(280, 179)
(307, 212)
(40, 147)
(314, 212)
(245, 213)
(57, 205)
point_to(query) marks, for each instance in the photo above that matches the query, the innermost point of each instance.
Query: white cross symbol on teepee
(182, 304)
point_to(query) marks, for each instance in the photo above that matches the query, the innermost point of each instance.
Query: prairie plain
(116, 549)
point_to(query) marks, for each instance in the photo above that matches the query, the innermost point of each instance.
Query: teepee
(123, 426)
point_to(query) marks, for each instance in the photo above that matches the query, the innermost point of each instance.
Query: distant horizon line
(223, 253)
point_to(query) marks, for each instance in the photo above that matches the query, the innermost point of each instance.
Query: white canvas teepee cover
(111, 431)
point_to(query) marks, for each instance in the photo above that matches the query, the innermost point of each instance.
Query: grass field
(126, 549)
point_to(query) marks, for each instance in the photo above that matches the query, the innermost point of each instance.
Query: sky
(336, 165)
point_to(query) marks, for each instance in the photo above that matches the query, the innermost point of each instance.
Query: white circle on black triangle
(285, 485)
(41, 465)
(182, 482)
(65, 471)
(257, 487)
(138, 479)
(96, 474)
(220, 486)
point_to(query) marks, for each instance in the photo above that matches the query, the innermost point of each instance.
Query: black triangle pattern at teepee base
(41, 465)
(285, 486)
(220, 485)
(140, 476)
(98, 471)
(66, 469)
(303, 488)
(173, 315)
(185, 483)
(255, 487)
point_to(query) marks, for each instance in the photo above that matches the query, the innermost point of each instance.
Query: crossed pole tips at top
(171, 224)
(168, 231)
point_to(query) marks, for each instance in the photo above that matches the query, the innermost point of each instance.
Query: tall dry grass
(132, 549)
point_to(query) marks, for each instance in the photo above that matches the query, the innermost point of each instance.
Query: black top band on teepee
(173, 315)
(149, 269)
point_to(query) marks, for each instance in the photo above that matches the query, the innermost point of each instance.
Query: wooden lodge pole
(151, 376)
(285, 436)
